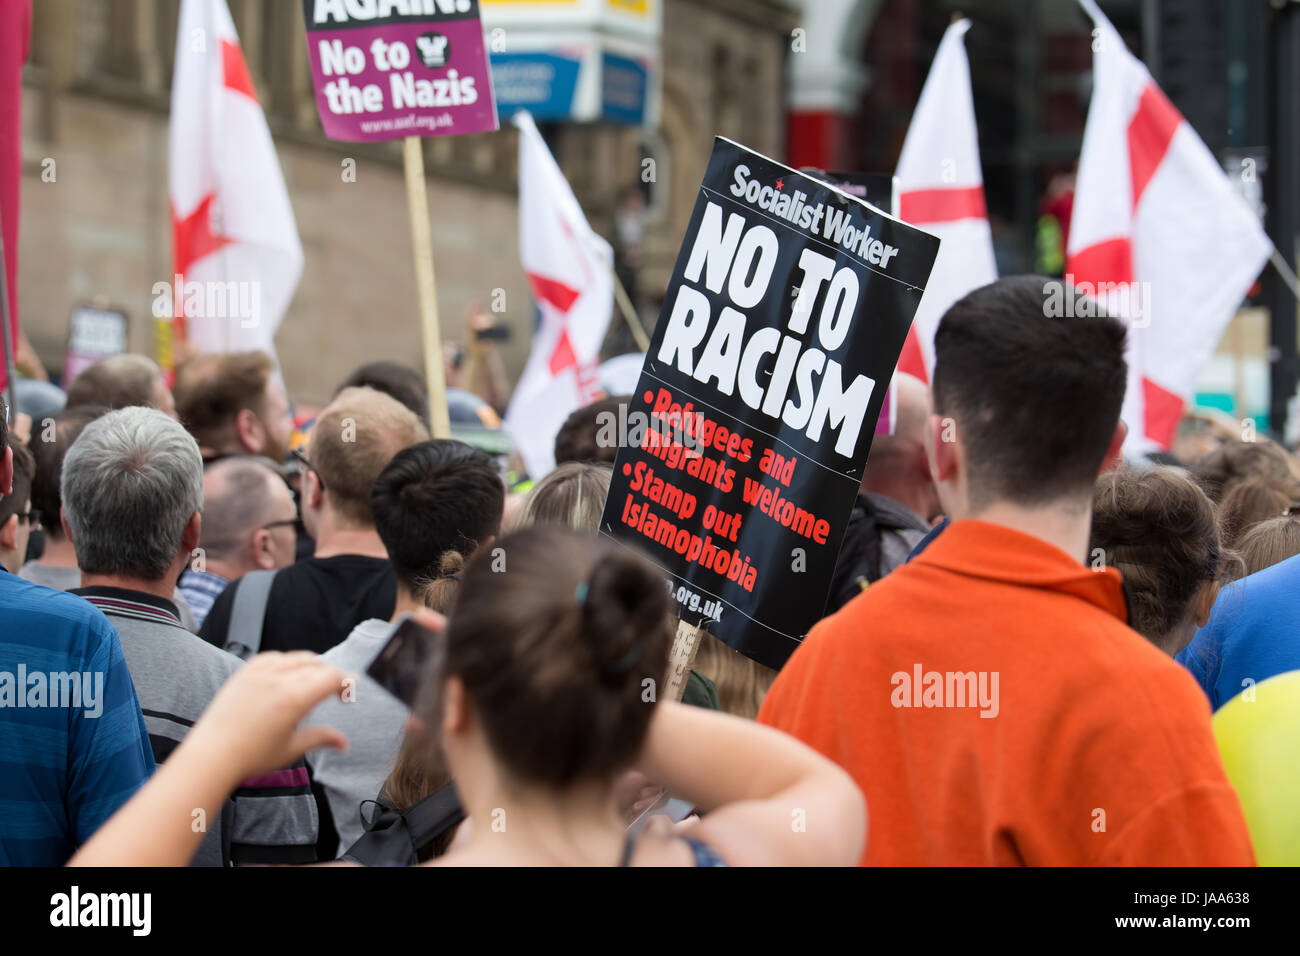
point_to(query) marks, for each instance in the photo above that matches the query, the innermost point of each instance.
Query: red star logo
(779, 183)
(193, 238)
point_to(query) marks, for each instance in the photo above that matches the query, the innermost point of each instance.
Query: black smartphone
(496, 333)
(403, 664)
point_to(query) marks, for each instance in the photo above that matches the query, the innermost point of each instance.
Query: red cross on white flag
(570, 270)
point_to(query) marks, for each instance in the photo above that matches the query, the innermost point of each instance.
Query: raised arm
(251, 727)
(768, 799)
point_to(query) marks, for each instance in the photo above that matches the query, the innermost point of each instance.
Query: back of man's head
(437, 496)
(24, 470)
(211, 391)
(395, 380)
(1035, 397)
(120, 381)
(131, 482)
(353, 440)
(897, 465)
(50, 443)
(581, 437)
(238, 498)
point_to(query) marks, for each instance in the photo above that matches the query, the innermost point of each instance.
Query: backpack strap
(248, 614)
(395, 838)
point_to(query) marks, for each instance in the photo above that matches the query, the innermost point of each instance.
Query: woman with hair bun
(546, 695)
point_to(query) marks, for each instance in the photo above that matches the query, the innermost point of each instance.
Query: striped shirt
(200, 589)
(73, 745)
(270, 819)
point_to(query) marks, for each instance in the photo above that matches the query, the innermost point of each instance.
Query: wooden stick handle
(422, 245)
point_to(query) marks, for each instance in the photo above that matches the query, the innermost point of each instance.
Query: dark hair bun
(562, 649)
(625, 606)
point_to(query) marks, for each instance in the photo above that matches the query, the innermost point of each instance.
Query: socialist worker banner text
(784, 318)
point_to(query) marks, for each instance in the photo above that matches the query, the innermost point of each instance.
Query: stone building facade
(96, 100)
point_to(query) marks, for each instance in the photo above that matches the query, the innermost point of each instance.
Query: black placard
(743, 447)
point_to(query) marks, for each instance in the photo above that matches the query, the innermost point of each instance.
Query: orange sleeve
(1201, 825)
(781, 704)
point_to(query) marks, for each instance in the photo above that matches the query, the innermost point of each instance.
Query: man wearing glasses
(249, 524)
(315, 602)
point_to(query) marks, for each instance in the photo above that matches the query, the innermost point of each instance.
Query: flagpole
(1285, 271)
(422, 246)
(629, 314)
(6, 327)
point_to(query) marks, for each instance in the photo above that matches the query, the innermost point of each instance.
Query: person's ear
(1205, 599)
(1115, 451)
(941, 447)
(63, 521)
(190, 536)
(483, 545)
(455, 706)
(311, 490)
(251, 432)
(413, 725)
(262, 554)
(9, 535)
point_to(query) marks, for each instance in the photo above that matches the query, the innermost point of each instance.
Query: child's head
(555, 653)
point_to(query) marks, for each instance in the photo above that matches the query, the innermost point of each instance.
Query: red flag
(15, 29)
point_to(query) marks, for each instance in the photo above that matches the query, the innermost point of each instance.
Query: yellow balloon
(1258, 732)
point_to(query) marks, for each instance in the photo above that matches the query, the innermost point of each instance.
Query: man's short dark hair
(24, 469)
(46, 495)
(579, 437)
(1035, 395)
(393, 379)
(440, 495)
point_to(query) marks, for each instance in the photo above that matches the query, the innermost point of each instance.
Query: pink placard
(387, 77)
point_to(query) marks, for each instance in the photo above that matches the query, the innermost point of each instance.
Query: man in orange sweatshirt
(988, 696)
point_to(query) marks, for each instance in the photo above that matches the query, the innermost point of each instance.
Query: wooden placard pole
(681, 657)
(628, 312)
(422, 245)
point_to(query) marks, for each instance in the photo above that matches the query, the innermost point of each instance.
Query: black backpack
(859, 561)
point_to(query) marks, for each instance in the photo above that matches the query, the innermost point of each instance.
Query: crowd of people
(1024, 642)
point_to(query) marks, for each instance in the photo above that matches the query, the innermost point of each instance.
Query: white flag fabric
(1158, 236)
(941, 189)
(570, 270)
(234, 241)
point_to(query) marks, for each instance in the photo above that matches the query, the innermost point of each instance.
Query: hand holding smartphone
(406, 660)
